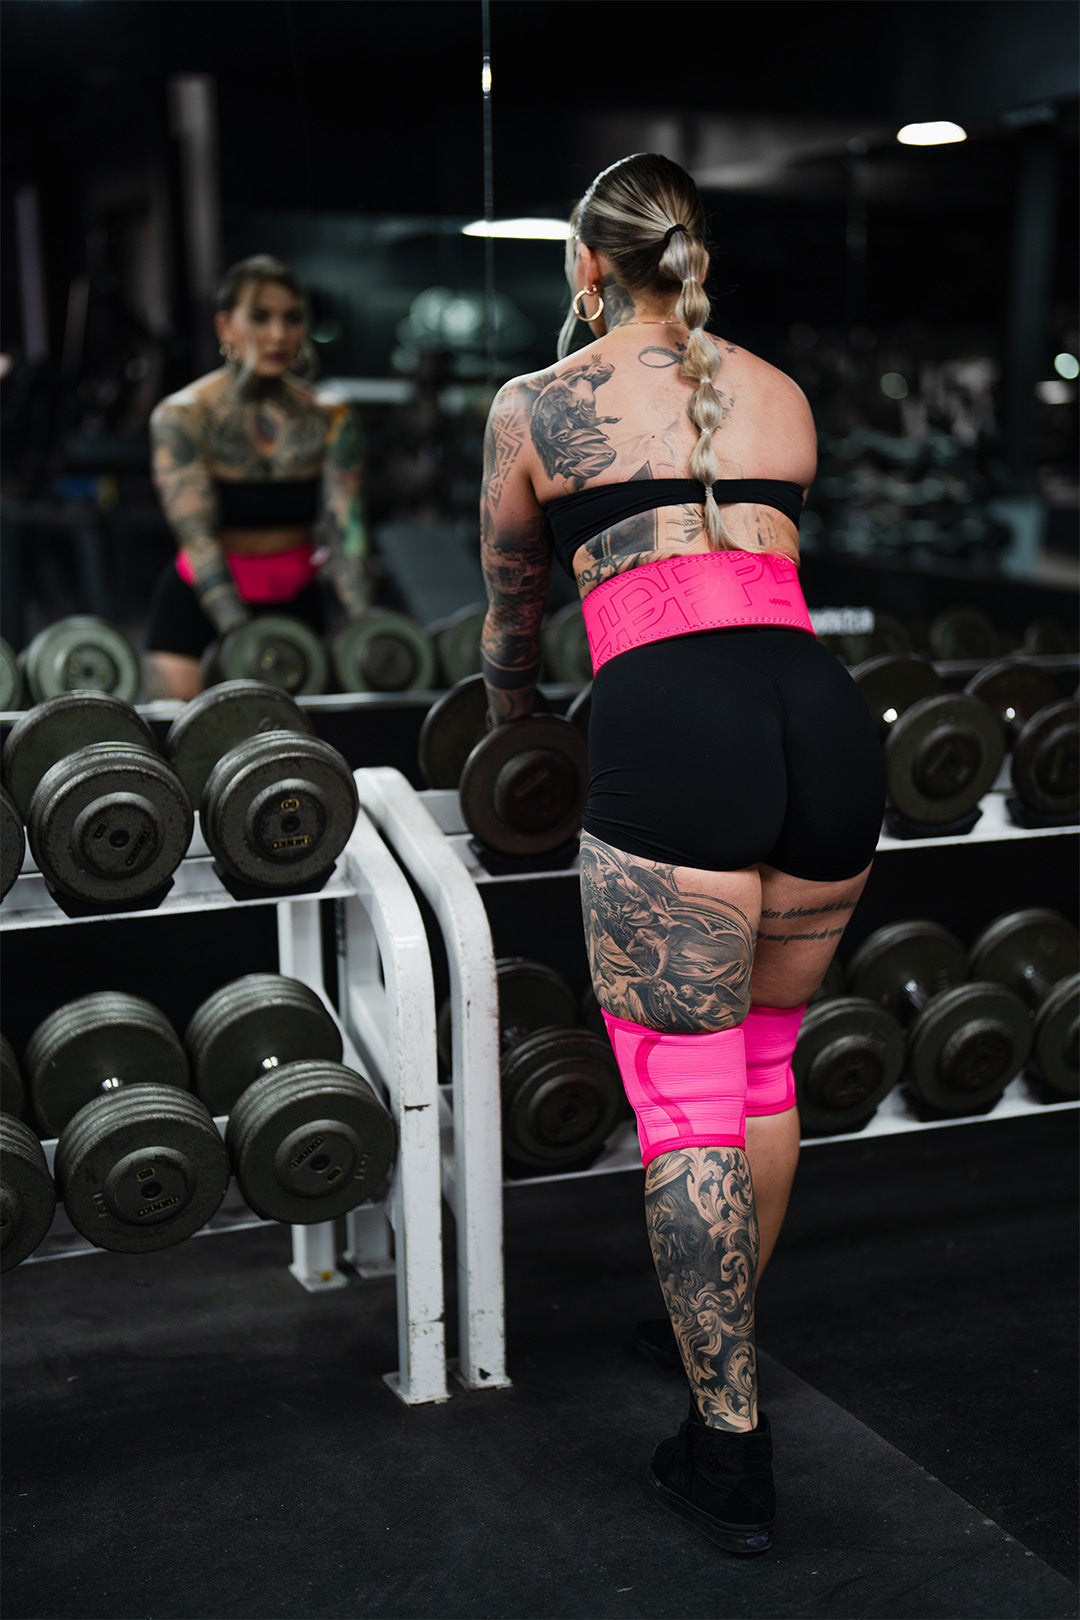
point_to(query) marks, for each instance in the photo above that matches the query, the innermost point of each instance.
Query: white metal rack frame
(388, 1013)
(429, 836)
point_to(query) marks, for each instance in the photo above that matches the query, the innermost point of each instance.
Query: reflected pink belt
(717, 590)
(277, 576)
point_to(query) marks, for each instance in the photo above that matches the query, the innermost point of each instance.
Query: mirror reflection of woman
(260, 482)
(736, 784)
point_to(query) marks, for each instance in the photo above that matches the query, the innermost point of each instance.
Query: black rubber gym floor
(189, 1434)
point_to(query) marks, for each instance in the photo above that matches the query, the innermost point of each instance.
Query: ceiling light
(531, 230)
(936, 134)
(1067, 366)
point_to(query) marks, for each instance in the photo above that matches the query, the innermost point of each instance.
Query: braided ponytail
(645, 215)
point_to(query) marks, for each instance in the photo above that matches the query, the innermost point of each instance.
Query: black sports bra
(578, 517)
(280, 503)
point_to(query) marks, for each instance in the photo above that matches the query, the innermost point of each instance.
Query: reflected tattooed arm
(188, 499)
(515, 554)
(341, 528)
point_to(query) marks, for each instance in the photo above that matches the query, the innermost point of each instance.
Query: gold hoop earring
(230, 355)
(591, 292)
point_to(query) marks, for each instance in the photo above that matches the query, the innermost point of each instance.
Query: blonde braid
(644, 213)
(684, 260)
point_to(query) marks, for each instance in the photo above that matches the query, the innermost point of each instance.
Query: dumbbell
(1049, 638)
(383, 652)
(848, 1057)
(1035, 953)
(276, 803)
(308, 1139)
(81, 653)
(565, 643)
(561, 1092)
(1042, 734)
(27, 1190)
(965, 1040)
(457, 642)
(270, 647)
(12, 842)
(139, 1163)
(522, 786)
(943, 750)
(11, 680)
(107, 819)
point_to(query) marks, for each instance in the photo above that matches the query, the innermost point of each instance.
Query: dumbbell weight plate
(278, 810)
(1022, 947)
(82, 653)
(1045, 764)
(889, 638)
(61, 726)
(962, 633)
(85, 1047)
(906, 953)
(1014, 691)
(271, 647)
(218, 719)
(1057, 1035)
(523, 786)
(561, 1098)
(141, 1170)
(890, 685)
(566, 646)
(309, 1142)
(1048, 637)
(383, 652)
(966, 1046)
(260, 1022)
(110, 824)
(457, 642)
(11, 680)
(531, 996)
(848, 1057)
(27, 1193)
(12, 842)
(453, 726)
(12, 1092)
(941, 756)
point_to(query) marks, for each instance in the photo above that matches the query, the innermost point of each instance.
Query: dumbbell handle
(914, 997)
(1033, 985)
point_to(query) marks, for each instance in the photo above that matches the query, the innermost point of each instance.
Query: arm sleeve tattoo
(515, 554)
(188, 499)
(341, 527)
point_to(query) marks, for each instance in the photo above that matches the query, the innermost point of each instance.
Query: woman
(259, 481)
(736, 783)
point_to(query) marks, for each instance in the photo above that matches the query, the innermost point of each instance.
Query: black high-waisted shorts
(724, 748)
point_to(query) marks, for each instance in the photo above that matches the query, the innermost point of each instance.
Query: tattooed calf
(699, 1207)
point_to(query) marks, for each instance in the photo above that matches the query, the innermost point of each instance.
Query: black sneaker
(721, 1482)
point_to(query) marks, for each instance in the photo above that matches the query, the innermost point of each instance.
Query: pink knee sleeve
(771, 1033)
(686, 1090)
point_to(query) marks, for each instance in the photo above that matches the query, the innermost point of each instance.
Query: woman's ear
(589, 266)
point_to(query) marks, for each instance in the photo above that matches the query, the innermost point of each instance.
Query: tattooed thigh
(669, 947)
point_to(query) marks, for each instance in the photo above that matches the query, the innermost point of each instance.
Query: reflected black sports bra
(578, 517)
(280, 503)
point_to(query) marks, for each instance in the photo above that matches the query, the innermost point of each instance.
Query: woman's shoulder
(761, 374)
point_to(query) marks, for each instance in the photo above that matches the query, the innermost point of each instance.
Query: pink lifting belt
(277, 576)
(714, 590)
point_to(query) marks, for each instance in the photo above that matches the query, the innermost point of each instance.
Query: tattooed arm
(515, 553)
(341, 527)
(189, 502)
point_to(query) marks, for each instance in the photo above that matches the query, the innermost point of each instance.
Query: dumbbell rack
(387, 1016)
(429, 836)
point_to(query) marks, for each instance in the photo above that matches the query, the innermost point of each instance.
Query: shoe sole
(743, 1541)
